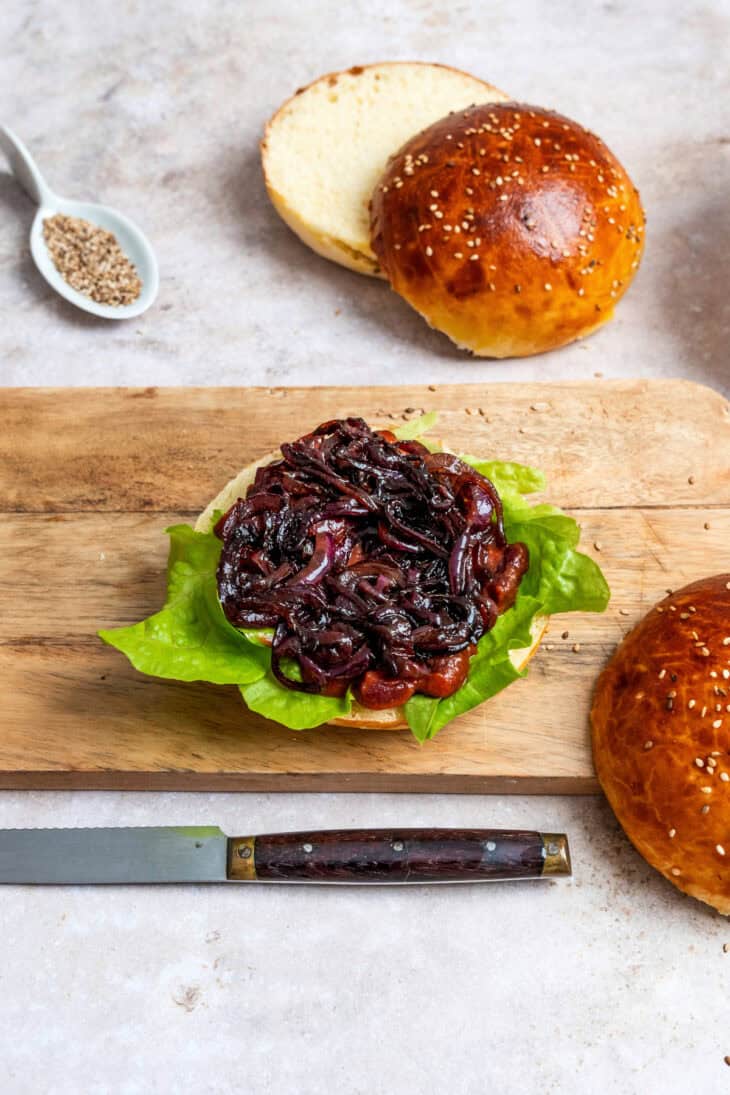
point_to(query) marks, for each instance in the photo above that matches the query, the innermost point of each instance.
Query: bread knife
(200, 854)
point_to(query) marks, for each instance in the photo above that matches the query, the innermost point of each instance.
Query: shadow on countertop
(369, 298)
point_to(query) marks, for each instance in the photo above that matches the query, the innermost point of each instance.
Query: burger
(368, 578)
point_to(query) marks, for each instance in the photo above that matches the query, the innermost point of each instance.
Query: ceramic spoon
(132, 241)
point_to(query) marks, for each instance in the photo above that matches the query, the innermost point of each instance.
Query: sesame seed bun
(508, 227)
(325, 148)
(660, 718)
(365, 718)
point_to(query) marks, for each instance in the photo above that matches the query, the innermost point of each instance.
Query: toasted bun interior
(325, 148)
(660, 716)
(390, 718)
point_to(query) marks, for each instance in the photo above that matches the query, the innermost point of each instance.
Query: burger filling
(376, 565)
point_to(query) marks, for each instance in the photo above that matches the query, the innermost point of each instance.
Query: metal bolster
(555, 854)
(242, 859)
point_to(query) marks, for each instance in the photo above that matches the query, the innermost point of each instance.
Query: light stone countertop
(611, 983)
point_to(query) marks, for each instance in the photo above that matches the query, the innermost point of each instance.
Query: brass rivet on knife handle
(242, 858)
(556, 854)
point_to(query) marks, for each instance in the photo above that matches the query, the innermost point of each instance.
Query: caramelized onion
(378, 564)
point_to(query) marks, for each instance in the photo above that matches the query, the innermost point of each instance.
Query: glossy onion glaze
(378, 564)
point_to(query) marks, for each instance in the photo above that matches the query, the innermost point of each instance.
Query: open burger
(365, 578)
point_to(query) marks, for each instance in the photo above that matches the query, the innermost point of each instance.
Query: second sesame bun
(508, 227)
(391, 718)
(660, 717)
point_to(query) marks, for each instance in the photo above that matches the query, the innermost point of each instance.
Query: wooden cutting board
(90, 478)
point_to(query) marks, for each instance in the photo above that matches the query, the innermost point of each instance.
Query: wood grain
(389, 856)
(90, 478)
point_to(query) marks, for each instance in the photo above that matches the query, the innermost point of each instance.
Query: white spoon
(134, 243)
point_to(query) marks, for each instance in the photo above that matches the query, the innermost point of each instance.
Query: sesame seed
(726, 641)
(575, 648)
(434, 193)
(676, 872)
(717, 724)
(699, 762)
(649, 744)
(724, 777)
(672, 833)
(623, 612)
(706, 790)
(474, 258)
(429, 251)
(548, 286)
(705, 652)
(691, 704)
(705, 810)
(662, 674)
(597, 545)
(719, 849)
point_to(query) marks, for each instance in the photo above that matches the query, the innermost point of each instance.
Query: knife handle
(398, 855)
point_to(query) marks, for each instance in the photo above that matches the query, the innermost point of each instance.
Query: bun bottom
(392, 718)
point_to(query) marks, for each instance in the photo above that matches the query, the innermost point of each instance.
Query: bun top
(510, 228)
(661, 738)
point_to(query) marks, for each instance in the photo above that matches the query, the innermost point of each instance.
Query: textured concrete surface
(611, 983)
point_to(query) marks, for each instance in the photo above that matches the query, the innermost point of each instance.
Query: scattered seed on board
(90, 259)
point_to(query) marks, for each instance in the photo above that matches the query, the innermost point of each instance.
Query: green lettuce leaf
(414, 429)
(191, 640)
(507, 476)
(297, 710)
